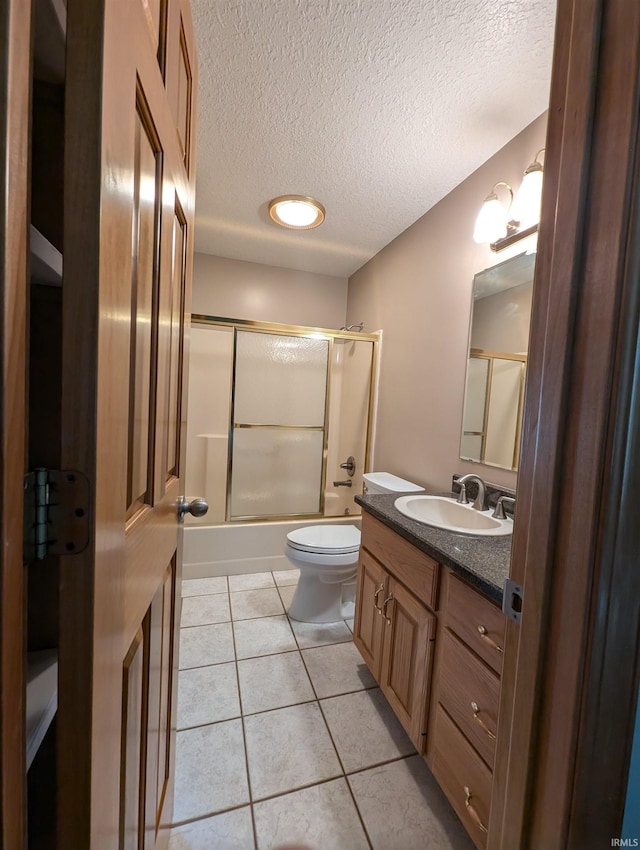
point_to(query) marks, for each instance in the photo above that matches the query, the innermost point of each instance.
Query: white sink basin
(446, 513)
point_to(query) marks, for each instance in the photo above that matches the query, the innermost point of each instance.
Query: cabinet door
(371, 590)
(407, 659)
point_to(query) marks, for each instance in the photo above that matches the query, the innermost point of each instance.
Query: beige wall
(418, 290)
(239, 290)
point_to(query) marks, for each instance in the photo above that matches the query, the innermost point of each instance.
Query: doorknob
(196, 507)
(349, 465)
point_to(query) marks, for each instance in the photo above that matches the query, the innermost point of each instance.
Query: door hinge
(56, 513)
(512, 599)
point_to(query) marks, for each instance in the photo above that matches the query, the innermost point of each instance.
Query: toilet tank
(385, 482)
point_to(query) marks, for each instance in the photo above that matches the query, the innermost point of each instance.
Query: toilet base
(317, 601)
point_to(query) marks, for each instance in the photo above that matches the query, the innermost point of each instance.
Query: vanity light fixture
(296, 212)
(502, 227)
(492, 222)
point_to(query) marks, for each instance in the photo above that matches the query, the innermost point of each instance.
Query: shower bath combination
(275, 413)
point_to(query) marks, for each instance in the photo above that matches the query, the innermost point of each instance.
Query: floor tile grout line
(204, 595)
(358, 812)
(331, 738)
(213, 814)
(244, 741)
(304, 787)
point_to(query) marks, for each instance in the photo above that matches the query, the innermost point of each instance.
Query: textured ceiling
(377, 108)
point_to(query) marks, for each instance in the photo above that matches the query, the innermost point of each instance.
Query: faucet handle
(462, 496)
(499, 509)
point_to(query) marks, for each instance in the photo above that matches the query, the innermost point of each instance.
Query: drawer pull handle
(475, 817)
(484, 634)
(480, 721)
(384, 608)
(375, 598)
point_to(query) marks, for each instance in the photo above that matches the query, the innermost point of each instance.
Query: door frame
(15, 124)
(565, 733)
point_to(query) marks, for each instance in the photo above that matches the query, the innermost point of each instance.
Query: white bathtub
(242, 547)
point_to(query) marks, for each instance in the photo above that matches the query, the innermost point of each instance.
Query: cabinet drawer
(470, 692)
(463, 776)
(476, 621)
(417, 571)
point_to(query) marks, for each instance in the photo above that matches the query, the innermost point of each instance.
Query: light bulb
(296, 211)
(526, 207)
(491, 223)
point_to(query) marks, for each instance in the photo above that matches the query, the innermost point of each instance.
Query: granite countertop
(481, 561)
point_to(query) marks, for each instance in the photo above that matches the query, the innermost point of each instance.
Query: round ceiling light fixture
(296, 212)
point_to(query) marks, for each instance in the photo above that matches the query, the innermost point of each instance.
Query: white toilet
(327, 557)
(385, 482)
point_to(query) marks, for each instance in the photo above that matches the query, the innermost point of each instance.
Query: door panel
(132, 701)
(179, 80)
(144, 285)
(128, 215)
(371, 590)
(167, 658)
(15, 40)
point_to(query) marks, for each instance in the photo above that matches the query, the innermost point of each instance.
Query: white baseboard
(241, 566)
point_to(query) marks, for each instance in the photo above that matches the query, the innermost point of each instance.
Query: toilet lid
(325, 539)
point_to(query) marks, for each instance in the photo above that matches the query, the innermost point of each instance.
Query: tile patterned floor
(284, 739)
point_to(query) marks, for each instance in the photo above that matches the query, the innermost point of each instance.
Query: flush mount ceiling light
(296, 212)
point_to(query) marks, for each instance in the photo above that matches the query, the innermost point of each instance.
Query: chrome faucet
(480, 503)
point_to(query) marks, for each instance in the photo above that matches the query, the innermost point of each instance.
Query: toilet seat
(325, 539)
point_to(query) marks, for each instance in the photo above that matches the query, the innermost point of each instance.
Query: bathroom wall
(239, 290)
(418, 289)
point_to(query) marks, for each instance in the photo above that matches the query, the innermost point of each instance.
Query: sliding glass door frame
(293, 331)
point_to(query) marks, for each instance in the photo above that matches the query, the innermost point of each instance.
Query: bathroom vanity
(429, 627)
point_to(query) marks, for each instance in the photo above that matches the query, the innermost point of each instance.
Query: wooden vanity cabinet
(445, 693)
(393, 627)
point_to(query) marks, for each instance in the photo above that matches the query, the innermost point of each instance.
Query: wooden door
(571, 669)
(410, 631)
(368, 624)
(128, 242)
(15, 37)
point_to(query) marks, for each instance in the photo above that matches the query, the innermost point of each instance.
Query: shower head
(359, 326)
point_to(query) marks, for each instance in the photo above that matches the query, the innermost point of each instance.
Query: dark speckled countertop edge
(483, 562)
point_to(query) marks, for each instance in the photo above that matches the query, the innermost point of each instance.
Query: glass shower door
(350, 401)
(279, 425)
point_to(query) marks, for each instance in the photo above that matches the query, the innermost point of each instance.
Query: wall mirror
(497, 362)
